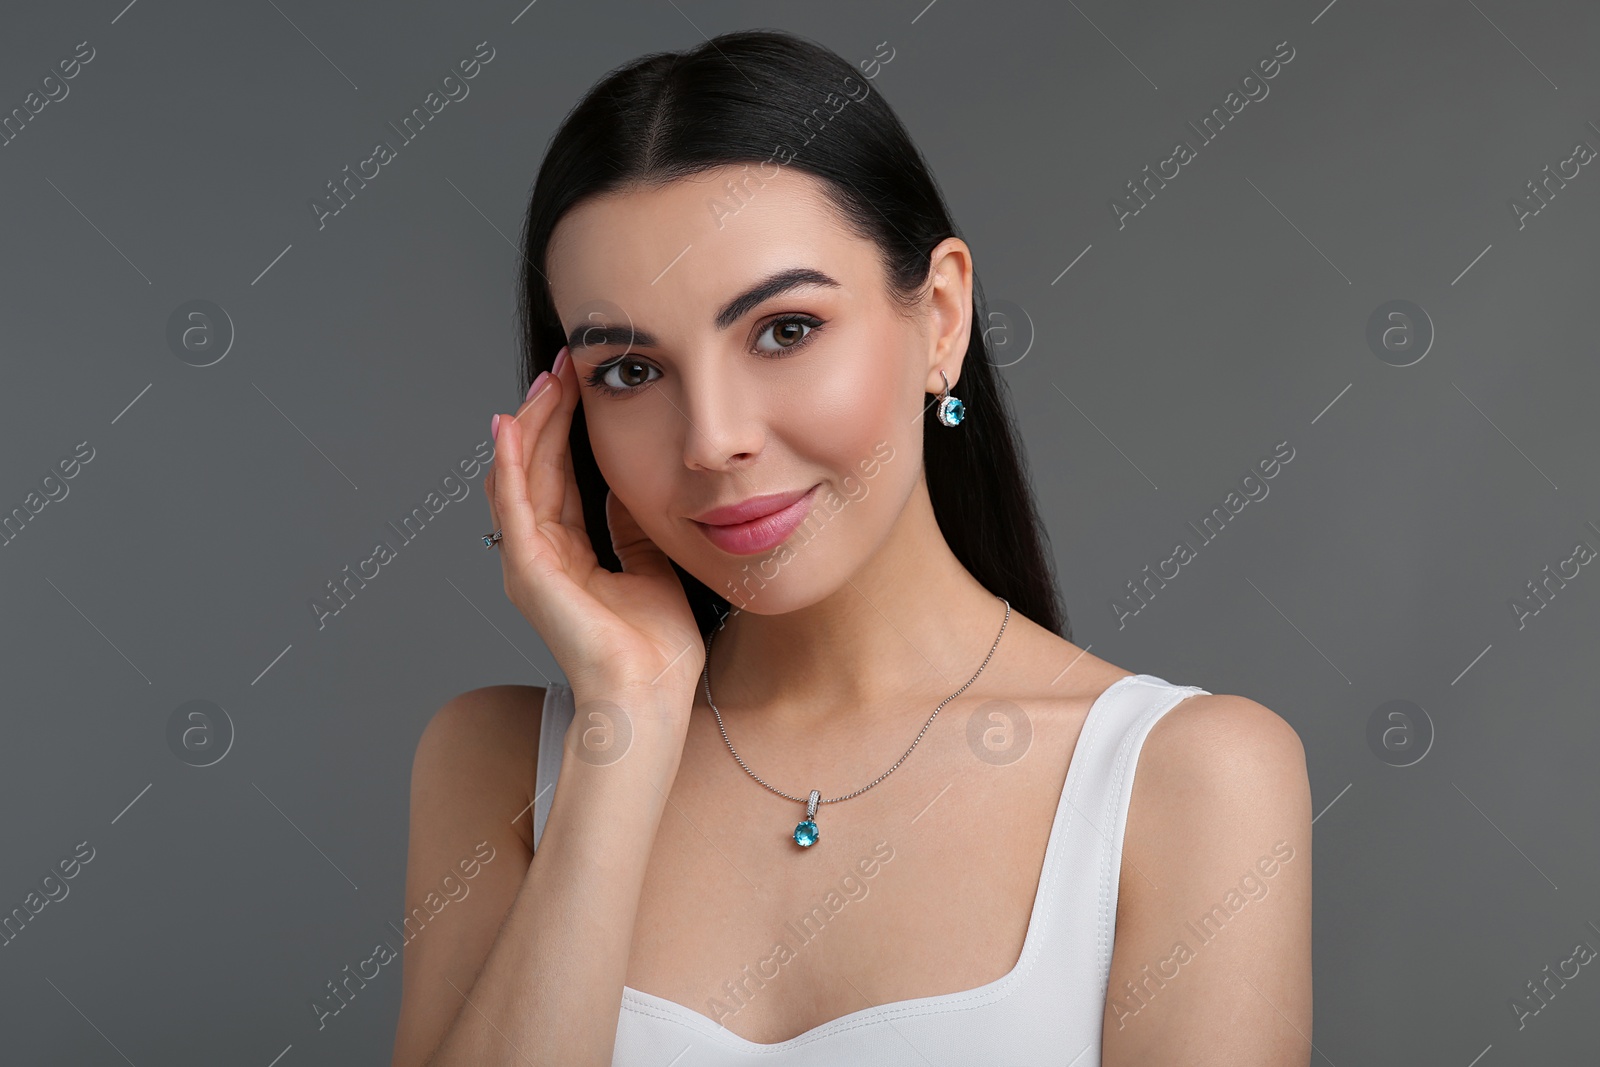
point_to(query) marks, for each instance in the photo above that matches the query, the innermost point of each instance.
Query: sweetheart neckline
(878, 1012)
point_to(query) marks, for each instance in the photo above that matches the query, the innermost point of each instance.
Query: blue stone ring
(490, 540)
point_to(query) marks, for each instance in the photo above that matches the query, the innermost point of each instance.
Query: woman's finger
(488, 480)
(512, 505)
(635, 551)
(556, 443)
(550, 466)
(572, 503)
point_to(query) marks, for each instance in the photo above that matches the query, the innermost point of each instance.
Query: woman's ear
(949, 311)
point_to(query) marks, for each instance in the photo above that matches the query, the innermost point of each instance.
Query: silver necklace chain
(706, 676)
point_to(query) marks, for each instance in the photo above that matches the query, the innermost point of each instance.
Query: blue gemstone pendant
(806, 834)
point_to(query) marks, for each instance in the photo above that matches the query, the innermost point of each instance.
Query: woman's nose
(725, 426)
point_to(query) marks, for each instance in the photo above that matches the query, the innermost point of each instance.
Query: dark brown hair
(745, 98)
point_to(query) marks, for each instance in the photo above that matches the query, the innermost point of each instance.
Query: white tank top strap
(554, 719)
(1093, 823)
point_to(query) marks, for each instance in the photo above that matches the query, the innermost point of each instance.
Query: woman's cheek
(858, 404)
(628, 453)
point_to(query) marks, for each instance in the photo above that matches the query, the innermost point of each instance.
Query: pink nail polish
(494, 428)
(561, 361)
(537, 382)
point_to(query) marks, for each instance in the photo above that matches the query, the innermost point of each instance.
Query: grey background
(1228, 315)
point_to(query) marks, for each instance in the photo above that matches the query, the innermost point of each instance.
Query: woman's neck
(910, 626)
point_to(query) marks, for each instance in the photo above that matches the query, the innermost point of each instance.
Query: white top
(1047, 1009)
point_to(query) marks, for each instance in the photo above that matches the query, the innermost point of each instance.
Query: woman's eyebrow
(587, 335)
(769, 287)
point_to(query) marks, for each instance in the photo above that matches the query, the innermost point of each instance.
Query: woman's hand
(610, 632)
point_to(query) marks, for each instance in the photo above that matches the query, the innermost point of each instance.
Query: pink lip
(757, 524)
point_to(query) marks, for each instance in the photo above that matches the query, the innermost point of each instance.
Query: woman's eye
(788, 333)
(623, 375)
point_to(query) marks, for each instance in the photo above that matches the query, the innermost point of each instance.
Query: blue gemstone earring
(951, 411)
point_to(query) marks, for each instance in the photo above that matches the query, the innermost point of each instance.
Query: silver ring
(490, 540)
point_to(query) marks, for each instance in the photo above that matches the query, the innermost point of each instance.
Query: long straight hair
(768, 96)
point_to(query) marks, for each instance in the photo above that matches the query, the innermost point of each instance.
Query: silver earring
(951, 411)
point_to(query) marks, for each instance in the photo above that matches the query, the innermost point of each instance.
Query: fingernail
(534, 388)
(494, 427)
(561, 361)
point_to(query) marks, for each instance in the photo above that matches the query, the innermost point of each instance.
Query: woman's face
(733, 388)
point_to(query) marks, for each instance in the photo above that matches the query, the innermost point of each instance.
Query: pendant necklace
(806, 833)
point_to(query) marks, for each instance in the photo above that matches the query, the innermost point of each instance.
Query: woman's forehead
(661, 250)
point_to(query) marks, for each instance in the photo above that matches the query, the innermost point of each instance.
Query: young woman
(835, 785)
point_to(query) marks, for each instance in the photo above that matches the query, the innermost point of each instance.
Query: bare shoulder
(1210, 738)
(469, 850)
(1216, 863)
(1217, 774)
(480, 749)
(485, 716)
